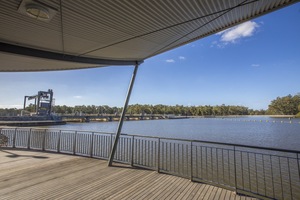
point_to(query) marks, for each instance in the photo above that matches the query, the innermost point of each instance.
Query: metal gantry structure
(43, 101)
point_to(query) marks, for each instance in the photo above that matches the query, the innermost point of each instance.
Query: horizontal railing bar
(187, 140)
(56, 129)
(218, 143)
(265, 154)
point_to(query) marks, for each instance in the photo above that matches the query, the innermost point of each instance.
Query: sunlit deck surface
(40, 175)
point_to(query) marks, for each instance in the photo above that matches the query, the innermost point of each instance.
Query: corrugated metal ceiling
(109, 31)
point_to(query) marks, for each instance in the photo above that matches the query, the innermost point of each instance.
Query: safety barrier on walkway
(266, 173)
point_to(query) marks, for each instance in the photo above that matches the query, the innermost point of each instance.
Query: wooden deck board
(218, 193)
(39, 175)
(166, 185)
(213, 193)
(185, 193)
(203, 192)
(34, 176)
(146, 188)
(195, 192)
(122, 184)
(228, 195)
(208, 192)
(148, 192)
(178, 190)
(167, 189)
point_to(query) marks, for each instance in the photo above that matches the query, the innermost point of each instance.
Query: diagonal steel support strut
(118, 133)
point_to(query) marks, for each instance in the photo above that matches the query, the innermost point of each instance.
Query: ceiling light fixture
(37, 12)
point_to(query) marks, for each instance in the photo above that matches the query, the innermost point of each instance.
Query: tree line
(287, 105)
(206, 110)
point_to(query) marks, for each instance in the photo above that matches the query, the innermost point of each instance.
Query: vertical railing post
(235, 175)
(44, 140)
(132, 151)
(191, 175)
(110, 144)
(92, 145)
(28, 140)
(298, 166)
(74, 143)
(290, 178)
(158, 155)
(187, 159)
(14, 138)
(58, 141)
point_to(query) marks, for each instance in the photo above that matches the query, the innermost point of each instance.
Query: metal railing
(266, 173)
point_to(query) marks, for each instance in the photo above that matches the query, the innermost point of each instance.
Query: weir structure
(63, 35)
(43, 101)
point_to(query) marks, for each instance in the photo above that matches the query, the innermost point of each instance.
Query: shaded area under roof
(87, 34)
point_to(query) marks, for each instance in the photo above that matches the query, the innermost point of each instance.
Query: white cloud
(231, 35)
(246, 29)
(255, 65)
(170, 61)
(181, 58)
(190, 45)
(77, 97)
(218, 44)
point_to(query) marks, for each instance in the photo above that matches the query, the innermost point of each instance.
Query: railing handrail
(35, 128)
(218, 143)
(176, 139)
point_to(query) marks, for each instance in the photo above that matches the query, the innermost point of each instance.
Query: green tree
(287, 105)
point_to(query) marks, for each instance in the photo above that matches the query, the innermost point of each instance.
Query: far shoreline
(235, 116)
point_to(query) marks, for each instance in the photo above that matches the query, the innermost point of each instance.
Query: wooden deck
(39, 175)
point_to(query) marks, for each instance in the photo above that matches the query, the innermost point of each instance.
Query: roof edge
(15, 49)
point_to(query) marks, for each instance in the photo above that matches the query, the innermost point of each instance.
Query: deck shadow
(14, 155)
(125, 166)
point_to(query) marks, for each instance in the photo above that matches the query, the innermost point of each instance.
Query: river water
(257, 131)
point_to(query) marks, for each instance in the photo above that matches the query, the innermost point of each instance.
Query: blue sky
(248, 65)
